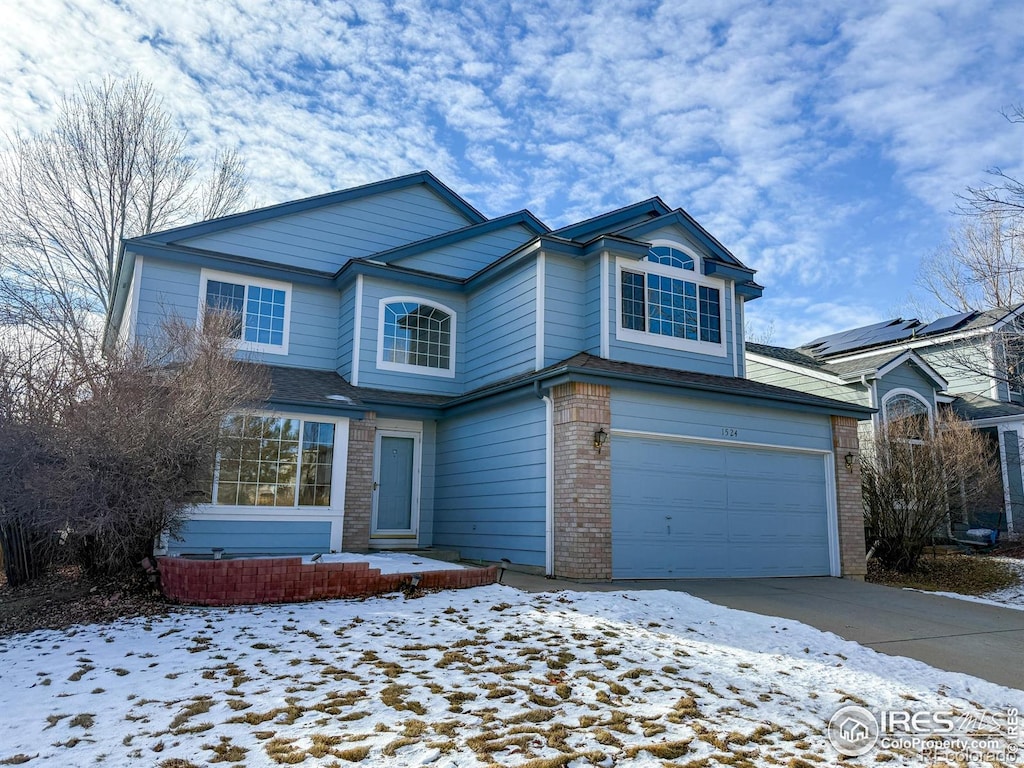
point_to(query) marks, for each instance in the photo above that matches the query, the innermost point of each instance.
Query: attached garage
(711, 504)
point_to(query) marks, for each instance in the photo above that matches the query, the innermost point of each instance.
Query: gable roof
(426, 178)
(612, 221)
(845, 371)
(524, 217)
(971, 407)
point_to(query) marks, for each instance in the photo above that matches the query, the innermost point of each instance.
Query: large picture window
(659, 300)
(274, 461)
(416, 336)
(257, 310)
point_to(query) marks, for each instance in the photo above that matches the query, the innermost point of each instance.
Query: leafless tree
(1004, 197)
(98, 456)
(916, 476)
(114, 164)
(980, 267)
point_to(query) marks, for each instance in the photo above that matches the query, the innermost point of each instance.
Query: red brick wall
(582, 492)
(850, 501)
(359, 484)
(288, 580)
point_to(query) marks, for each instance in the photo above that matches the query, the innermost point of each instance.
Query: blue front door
(395, 507)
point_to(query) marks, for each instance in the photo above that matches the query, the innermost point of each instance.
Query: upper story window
(664, 301)
(416, 336)
(257, 310)
(670, 257)
(899, 406)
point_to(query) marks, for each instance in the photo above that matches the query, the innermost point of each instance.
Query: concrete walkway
(956, 635)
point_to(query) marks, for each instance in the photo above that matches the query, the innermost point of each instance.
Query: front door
(396, 485)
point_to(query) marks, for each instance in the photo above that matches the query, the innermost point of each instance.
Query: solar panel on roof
(842, 335)
(946, 323)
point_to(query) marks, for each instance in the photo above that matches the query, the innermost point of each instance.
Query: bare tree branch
(113, 165)
(1004, 197)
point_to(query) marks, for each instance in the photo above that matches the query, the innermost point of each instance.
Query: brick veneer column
(359, 484)
(582, 492)
(850, 501)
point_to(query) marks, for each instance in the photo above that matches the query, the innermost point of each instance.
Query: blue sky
(823, 143)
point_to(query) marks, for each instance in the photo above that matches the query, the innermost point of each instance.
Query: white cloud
(761, 119)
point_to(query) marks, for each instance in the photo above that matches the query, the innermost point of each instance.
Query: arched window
(670, 257)
(415, 334)
(898, 406)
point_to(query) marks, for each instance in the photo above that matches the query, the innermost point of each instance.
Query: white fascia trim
(835, 565)
(741, 324)
(735, 335)
(670, 342)
(794, 368)
(129, 322)
(235, 278)
(993, 375)
(541, 292)
(605, 308)
(917, 360)
(357, 331)
(995, 421)
(420, 370)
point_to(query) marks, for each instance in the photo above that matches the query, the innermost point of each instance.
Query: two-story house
(901, 367)
(575, 400)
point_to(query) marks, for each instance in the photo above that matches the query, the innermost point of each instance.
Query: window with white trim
(273, 461)
(898, 406)
(416, 336)
(257, 310)
(666, 302)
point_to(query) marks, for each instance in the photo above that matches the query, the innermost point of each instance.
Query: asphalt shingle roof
(972, 407)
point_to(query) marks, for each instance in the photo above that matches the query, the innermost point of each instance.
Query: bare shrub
(915, 477)
(112, 452)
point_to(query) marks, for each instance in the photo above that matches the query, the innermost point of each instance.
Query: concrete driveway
(956, 635)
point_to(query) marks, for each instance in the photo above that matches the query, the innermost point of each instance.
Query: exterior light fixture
(849, 462)
(600, 438)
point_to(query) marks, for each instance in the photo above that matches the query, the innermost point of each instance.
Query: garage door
(685, 509)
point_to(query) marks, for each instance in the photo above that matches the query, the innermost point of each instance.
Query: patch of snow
(1010, 597)
(389, 562)
(457, 678)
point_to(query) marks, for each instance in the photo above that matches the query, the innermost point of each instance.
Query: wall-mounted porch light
(849, 462)
(600, 438)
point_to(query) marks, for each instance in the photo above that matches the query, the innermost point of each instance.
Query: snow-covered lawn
(461, 678)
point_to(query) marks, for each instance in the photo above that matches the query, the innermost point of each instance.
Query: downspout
(549, 480)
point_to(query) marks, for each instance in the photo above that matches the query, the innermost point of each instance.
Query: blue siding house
(965, 362)
(575, 401)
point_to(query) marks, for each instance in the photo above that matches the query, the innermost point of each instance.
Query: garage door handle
(668, 517)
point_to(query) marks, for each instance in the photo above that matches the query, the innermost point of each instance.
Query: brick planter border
(288, 580)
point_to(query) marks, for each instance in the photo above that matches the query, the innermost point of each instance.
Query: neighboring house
(906, 366)
(571, 400)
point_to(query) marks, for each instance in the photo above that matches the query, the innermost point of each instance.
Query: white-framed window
(664, 301)
(260, 310)
(266, 460)
(416, 335)
(906, 404)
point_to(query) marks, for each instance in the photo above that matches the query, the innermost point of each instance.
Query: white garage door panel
(683, 509)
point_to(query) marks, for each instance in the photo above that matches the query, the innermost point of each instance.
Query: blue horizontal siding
(172, 290)
(907, 376)
(374, 290)
(564, 308)
(325, 238)
(501, 328)
(346, 331)
(667, 414)
(489, 496)
(253, 537)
